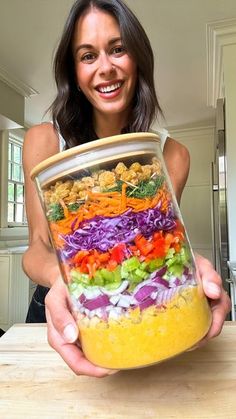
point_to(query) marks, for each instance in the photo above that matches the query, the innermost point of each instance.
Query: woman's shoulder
(40, 142)
(42, 139)
(44, 130)
(174, 147)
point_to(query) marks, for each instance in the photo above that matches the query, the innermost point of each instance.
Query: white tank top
(62, 142)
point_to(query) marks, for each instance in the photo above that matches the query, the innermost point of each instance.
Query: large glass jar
(123, 251)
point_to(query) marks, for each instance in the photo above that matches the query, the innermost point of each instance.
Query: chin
(114, 109)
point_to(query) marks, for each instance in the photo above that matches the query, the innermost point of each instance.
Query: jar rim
(90, 146)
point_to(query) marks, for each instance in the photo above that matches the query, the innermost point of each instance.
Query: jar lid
(93, 153)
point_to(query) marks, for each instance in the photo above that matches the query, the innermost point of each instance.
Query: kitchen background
(195, 50)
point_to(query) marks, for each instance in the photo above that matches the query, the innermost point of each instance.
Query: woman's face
(105, 72)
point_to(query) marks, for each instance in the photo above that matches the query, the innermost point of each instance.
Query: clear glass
(124, 252)
(19, 213)
(17, 153)
(16, 172)
(10, 212)
(11, 191)
(19, 193)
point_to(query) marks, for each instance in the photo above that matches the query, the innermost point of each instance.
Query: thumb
(58, 313)
(211, 280)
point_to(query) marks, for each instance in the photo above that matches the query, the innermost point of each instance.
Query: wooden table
(36, 383)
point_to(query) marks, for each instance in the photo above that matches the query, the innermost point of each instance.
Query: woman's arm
(39, 261)
(177, 160)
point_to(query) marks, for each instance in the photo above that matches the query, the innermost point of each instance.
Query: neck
(108, 125)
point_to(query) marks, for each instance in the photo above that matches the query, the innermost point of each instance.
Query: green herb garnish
(116, 188)
(55, 212)
(73, 207)
(145, 188)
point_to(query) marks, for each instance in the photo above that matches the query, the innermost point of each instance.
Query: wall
(196, 199)
(12, 106)
(229, 70)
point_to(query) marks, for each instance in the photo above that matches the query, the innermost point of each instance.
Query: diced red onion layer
(144, 292)
(161, 281)
(161, 271)
(94, 303)
(148, 281)
(163, 297)
(146, 303)
(126, 301)
(92, 292)
(114, 299)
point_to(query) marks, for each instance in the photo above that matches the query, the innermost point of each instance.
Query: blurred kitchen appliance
(232, 283)
(219, 199)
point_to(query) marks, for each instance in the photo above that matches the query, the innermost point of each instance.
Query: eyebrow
(90, 46)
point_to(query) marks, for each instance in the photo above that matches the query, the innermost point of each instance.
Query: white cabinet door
(19, 291)
(5, 275)
(14, 291)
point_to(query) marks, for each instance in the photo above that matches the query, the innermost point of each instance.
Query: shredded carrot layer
(109, 204)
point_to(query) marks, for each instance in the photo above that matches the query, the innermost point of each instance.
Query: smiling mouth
(109, 89)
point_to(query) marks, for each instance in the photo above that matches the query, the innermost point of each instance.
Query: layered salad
(125, 257)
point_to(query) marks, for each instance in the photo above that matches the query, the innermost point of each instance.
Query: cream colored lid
(91, 146)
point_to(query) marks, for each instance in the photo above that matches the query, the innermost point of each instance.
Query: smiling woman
(116, 53)
(104, 71)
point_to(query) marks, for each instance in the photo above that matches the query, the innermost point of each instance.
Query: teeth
(108, 89)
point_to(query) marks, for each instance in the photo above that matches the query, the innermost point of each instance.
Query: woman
(104, 75)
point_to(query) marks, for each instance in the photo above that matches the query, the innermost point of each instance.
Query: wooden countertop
(36, 383)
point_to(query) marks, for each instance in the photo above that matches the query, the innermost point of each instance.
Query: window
(13, 225)
(15, 201)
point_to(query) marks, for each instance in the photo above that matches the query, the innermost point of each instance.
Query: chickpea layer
(71, 191)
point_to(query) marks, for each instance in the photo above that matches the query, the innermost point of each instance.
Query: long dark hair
(71, 111)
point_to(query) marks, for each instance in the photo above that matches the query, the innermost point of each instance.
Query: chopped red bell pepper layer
(88, 261)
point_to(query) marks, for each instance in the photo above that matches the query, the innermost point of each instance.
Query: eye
(118, 50)
(88, 57)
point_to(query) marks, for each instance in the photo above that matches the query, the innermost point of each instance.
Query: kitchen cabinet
(228, 60)
(221, 50)
(14, 289)
(4, 289)
(232, 282)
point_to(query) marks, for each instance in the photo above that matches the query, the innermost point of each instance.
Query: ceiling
(30, 30)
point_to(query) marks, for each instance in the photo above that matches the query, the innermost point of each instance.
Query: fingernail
(213, 289)
(192, 348)
(70, 333)
(111, 372)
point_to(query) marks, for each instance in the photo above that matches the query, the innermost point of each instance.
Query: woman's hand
(219, 300)
(63, 333)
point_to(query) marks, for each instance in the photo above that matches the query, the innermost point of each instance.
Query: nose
(105, 64)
